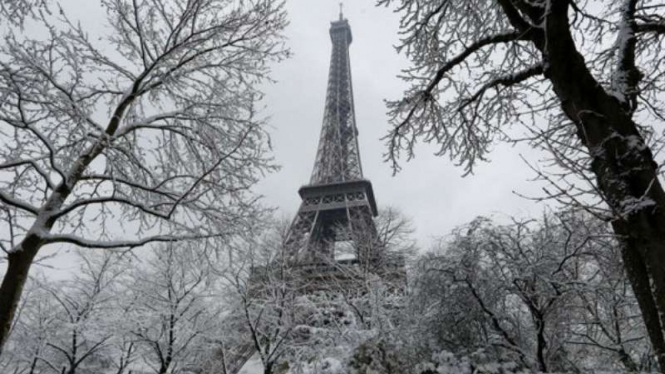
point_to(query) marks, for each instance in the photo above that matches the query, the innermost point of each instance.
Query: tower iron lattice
(337, 205)
(337, 195)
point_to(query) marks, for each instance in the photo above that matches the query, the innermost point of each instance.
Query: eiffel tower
(337, 195)
(337, 205)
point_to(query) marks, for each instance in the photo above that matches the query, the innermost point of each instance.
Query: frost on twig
(15, 12)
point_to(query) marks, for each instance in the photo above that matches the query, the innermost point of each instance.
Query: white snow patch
(619, 84)
(635, 142)
(344, 250)
(632, 205)
(253, 365)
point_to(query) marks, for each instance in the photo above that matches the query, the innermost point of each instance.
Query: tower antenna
(341, 11)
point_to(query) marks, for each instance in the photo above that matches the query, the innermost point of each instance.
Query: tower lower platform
(329, 214)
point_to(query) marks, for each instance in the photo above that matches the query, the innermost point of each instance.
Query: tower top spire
(341, 10)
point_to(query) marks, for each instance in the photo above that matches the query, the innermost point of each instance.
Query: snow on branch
(16, 12)
(626, 76)
(124, 244)
(456, 61)
(456, 124)
(11, 201)
(505, 81)
(151, 124)
(652, 23)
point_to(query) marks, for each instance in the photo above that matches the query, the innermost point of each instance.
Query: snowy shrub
(376, 357)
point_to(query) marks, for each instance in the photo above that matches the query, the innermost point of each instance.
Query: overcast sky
(430, 190)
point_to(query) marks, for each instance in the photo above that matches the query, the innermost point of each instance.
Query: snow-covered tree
(83, 305)
(584, 80)
(373, 267)
(265, 292)
(121, 314)
(174, 314)
(312, 316)
(379, 246)
(541, 293)
(67, 326)
(28, 351)
(144, 133)
(606, 320)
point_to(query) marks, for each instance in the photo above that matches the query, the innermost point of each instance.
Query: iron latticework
(337, 196)
(338, 158)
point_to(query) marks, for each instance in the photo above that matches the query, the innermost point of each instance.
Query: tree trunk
(627, 361)
(73, 359)
(33, 364)
(12, 284)
(268, 368)
(639, 280)
(541, 344)
(624, 167)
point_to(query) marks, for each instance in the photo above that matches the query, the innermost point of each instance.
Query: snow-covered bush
(376, 356)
